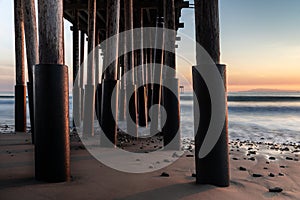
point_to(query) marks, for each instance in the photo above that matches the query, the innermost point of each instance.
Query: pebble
(280, 174)
(265, 168)
(164, 174)
(189, 155)
(252, 152)
(272, 175)
(272, 158)
(234, 158)
(289, 158)
(285, 149)
(242, 169)
(282, 166)
(252, 158)
(275, 189)
(257, 175)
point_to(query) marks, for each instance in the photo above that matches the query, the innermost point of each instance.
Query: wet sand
(255, 168)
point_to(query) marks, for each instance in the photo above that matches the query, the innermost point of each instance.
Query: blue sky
(260, 43)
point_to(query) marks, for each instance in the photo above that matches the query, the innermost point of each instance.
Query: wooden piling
(76, 88)
(89, 94)
(51, 97)
(81, 76)
(31, 53)
(110, 102)
(138, 53)
(207, 28)
(20, 88)
(131, 114)
(171, 129)
(157, 75)
(214, 168)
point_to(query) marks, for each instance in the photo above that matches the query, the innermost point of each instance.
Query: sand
(93, 180)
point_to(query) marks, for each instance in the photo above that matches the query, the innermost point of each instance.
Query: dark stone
(289, 158)
(284, 149)
(242, 169)
(257, 175)
(164, 174)
(280, 174)
(252, 159)
(265, 168)
(234, 158)
(282, 166)
(252, 152)
(189, 155)
(267, 162)
(272, 158)
(272, 175)
(275, 189)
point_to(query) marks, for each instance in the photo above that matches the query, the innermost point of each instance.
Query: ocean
(268, 117)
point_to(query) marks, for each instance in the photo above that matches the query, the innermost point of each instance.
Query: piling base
(214, 168)
(131, 113)
(156, 101)
(171, 129)
(76, 106)
(142, 107)
(89, 111)
(31, 112)
(109, 113)
(51, 119)
(122, 106)
(149, 100)
(20, 108)
(98, 102)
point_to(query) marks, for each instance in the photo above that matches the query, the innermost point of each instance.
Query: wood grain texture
(51, 32)
(207, 28)
(19, 42)
(30, 36)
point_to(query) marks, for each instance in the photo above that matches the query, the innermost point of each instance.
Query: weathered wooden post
(138, 53)
(89, 93)
(51, 97)
(213, 168)
(122, 101)
(171, 130)
(97, 76)
(20, 88)
(31, 52)
(82, 43)
(157, 74)
(109, 101)
(131, 114)
(76, 88)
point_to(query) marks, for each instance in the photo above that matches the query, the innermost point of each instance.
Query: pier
(100, 20)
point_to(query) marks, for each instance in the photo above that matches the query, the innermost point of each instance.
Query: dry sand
(93, 180)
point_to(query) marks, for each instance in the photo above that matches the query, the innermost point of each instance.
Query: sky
(260, 44)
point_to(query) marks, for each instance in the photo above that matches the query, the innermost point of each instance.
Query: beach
(255, 168)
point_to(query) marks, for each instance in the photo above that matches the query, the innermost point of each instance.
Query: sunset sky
(260, 44)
